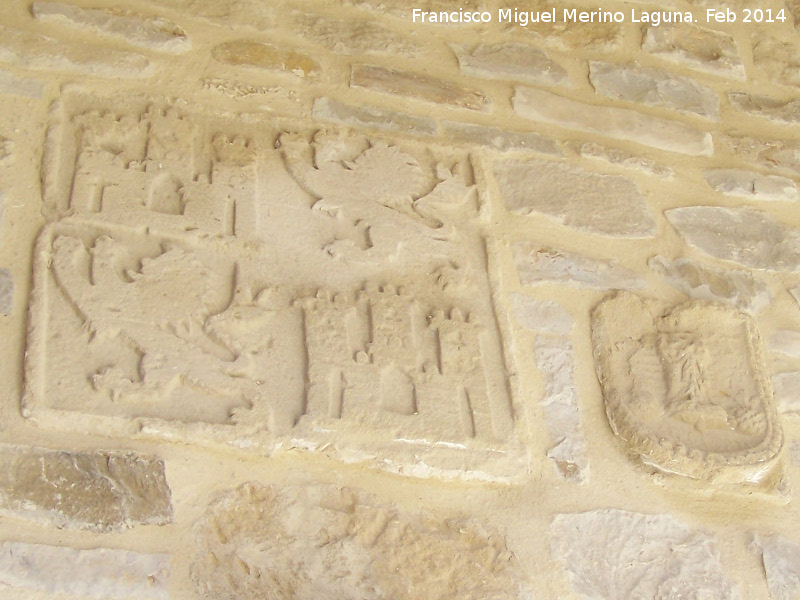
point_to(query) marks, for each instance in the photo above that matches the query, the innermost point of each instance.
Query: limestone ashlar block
(145, 32)
(372, 117)
(261, 55)
(96, 573)
(29, 50)
(99, 490)
(417, 87)
(653, 87)
(742, 235)
(609, 205)
(618, 555)
(785, 112)
(751, 184)
(672, 403)
(614, 122)
(701, 49)
(511, 61)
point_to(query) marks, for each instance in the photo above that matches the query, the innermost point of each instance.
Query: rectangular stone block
(98, 573)
(512, 61)
(750, 184)
(151, 33)
(261, 55)
(100, 491)
(653, 87)
(619, 123)
(226, 283)
(614, 156)
(764, 107)
(351, 36)
(499, 139)
(772, 154)
(33, 51)
(697, 48)
(417, 87)
(536, 264)
(605, 204)
(371, 117)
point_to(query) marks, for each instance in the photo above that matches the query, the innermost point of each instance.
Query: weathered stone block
(499, 139)
(353, 36)
(779, 61)
(331, 542)
(328, 109)
(785, 341)
(252, 53)
(701, 49)
(669, 399)
(772, 154)
(6, 292)
(730, 286)
(653, 87)
(750, 184)
(605, 204)
(781, 559)
(617, 555)
(619, 123)
(787, 391)
(741, 235)
(536, 264)
(151, 33)
(764, 107)
(543, 316)
(518, 62)
(622, 158)
(95, 573)
(92, 490)
(33, 51)
(417, 86)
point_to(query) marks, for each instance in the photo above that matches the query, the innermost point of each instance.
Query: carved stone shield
(685, 387)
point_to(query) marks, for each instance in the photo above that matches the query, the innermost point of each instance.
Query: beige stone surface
(305, 299)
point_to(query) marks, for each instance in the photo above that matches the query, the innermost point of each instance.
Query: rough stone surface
(785, 341)
(669, 399)
(619, 123)
(353, 36)
(775, 60)
(322, 541)
(6, 292)
(750, 184)
(606, 204)
(730, 286)
(555, 359)
(153, 34)
(787, 391)
(500, 139)
(787, 112)
(252, 53)
(543, 316)
(781, 558)
(33, 51)
(96, 573)
(536, 265)
(701, 49)
(772, 154)
(93, 490)
(617, 555)
(741, 235)
(653, 87)
(328, 109)
(417, 86)
(594, 151)
(20, 86)
(517, 62)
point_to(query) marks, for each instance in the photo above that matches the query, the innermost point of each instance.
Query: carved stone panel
(263, 285)
(686, 387)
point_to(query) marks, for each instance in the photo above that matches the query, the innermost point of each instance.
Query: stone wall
(306, 299)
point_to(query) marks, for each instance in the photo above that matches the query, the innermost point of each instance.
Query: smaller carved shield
(686, 387)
